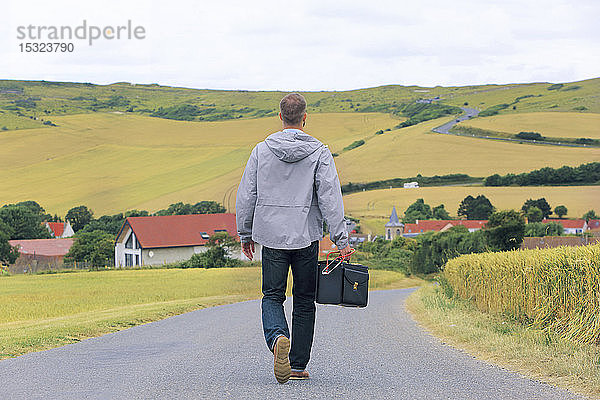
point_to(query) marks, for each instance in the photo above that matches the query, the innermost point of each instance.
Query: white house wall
(121, 250)
(169, 255)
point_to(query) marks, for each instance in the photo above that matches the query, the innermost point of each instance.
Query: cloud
(316, 45)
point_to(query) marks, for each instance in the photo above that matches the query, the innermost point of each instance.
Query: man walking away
(289, 185)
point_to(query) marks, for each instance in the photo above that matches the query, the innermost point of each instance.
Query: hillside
(26, 104)
(107, 151)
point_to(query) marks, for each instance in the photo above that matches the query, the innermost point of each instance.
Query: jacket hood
(291, 145)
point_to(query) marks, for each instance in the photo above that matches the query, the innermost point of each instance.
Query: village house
(60, 229)
(570, 226)
(39, 254)
(422, 226)
(157, 240)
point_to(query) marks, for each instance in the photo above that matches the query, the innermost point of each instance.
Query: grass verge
(509, 344)
(39, 312)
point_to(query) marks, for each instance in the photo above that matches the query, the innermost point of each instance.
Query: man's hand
(248, 249)
(345, 251)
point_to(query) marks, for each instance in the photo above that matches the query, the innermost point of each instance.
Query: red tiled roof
(470, 223)
(43, 247)
(58, 228)
(567, 223)
(179, 230)
(438, 225)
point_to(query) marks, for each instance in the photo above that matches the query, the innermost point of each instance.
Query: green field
(373, 208)
(38, 312)
(551, 124)
(108, 153)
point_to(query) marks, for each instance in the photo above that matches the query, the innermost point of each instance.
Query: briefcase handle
(336, 261)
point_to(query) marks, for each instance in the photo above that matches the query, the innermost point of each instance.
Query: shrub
(354, 145)
(529, 136)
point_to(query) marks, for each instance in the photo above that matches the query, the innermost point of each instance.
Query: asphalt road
(468, 113)
(219, 353)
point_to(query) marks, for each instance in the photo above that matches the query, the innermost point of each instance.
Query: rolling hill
(118, 147)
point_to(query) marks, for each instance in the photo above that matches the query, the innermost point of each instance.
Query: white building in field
(158, 240)
(411, 185)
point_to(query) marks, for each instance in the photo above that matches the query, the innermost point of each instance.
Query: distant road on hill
(469, 113)
(219, 353)
(472, 112)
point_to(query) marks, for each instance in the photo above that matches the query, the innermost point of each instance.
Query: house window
(137, 244)
(137, 259)
(128, 260)
(205, 235)
(220, 230)
(397, 231)
(389, 235)
(129, 242)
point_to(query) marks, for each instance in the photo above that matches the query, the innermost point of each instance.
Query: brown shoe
(281, 351)
(299, 375)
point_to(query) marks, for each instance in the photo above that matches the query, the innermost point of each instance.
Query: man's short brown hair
(292, 107)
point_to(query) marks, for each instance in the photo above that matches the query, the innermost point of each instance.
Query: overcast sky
(313, 45)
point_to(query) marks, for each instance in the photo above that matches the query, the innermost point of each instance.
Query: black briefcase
(342, 283)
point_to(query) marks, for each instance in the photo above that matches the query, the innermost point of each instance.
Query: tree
(24, 223)
(8, 253)
(107, 223)
(534, 214)
(79, 217)
(417, 210)
(440, 212)
(202, 207)
(505, 230)
(561, 211)
(96, 248)
(538, 229)
(36, 209)
(435, 248)
(590, 215)
(478, 207)
(541, 203)
(217, 254)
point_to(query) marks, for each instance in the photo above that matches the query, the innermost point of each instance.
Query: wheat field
(551, 124)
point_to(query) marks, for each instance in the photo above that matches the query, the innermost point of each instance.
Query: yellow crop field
(112, 162)
(556, 289)
(415, 150)
(373, 207)
(552, 124)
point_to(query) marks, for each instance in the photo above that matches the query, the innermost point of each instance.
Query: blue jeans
(275, 267)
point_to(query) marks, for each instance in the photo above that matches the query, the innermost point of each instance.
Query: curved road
(469, 113)
(472, 112)
(378, 352)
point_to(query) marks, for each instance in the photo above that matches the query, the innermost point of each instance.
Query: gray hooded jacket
(289, 185)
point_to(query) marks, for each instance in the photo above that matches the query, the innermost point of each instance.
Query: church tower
(394, 227)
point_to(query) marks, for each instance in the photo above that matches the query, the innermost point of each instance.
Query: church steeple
(394, 227)
(394, 221)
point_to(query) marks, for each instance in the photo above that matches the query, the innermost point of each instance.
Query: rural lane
(219, 353)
